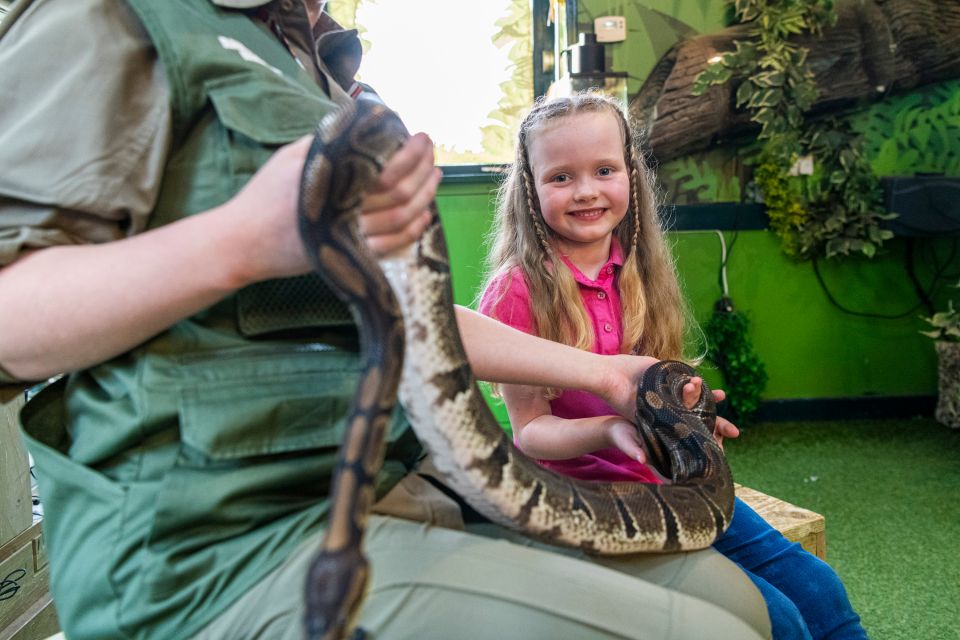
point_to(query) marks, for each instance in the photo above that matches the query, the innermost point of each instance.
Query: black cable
(940, 269)
(862, 314)
(923, 295)
(935, 262)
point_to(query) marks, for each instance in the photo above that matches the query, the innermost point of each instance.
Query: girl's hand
(723, 428)
(624, 436)
(395, 212)
(618, 387)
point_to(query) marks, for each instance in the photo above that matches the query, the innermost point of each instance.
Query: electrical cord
(724, 258)
(922, 294)
(860, 314)
(723, 263)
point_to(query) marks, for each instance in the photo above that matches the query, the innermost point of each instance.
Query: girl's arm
(545, 436)
(540, 434)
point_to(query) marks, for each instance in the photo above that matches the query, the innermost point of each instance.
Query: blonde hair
(655, 315)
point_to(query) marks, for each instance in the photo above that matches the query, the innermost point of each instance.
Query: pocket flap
(289, 113)
(248, 405)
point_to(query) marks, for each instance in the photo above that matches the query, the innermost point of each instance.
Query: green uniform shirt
(175, 476)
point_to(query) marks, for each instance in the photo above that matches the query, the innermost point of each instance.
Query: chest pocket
(256, 122)
(260, 114)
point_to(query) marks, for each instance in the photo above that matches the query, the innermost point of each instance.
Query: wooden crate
(16, 507)
(26, 610)
(795, 523)
(37, 623)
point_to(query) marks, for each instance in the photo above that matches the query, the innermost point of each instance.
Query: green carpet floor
(890, 492)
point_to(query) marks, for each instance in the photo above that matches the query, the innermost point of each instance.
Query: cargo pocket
(260, 431)
(81, 512)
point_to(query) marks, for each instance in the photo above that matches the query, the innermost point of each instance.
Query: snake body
(408, 317)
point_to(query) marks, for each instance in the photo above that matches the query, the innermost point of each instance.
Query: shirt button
(610, 269)
(601, 295)
(607, 327)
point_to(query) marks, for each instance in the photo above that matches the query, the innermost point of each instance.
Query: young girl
(579, 257)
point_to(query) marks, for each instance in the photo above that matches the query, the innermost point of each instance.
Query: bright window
(461, 70)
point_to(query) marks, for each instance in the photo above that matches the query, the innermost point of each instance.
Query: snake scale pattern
(404, 310)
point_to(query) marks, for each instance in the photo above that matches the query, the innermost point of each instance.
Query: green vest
(175, 476)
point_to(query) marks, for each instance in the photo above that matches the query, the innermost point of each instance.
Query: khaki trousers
(485, 582)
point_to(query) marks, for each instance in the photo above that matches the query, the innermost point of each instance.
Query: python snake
(409, 338)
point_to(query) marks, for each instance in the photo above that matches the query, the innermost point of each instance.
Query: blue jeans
(804, 595)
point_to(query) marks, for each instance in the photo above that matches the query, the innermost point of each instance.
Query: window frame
(546, 56)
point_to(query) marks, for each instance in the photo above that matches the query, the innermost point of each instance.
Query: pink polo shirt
(507, 299)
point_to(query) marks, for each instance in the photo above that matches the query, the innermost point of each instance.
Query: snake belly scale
(406, 318)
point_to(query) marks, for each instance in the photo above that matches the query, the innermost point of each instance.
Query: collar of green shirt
(324, 48)
(240, 4)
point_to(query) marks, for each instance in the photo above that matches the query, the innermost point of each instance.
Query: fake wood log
(876, 47)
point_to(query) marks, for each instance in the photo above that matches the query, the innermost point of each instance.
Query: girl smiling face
(582, 182)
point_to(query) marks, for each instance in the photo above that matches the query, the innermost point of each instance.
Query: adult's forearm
(69, 307)
(499, 353)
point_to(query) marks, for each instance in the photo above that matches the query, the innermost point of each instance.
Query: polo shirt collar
(607, 271)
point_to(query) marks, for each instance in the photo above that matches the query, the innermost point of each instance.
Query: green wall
(810, 348)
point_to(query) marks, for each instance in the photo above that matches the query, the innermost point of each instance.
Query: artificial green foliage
(776, 84)
(782, 200)
(913, 133)
(843, 196)
(729, 347)
(836, 211)
(945, 324)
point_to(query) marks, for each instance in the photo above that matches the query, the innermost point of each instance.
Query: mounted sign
(610, 28)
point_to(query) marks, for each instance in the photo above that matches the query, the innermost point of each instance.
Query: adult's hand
(393, 214)
(618, 380)
(396, 212)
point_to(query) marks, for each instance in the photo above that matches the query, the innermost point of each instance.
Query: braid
(534, 209)
(635, 197)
